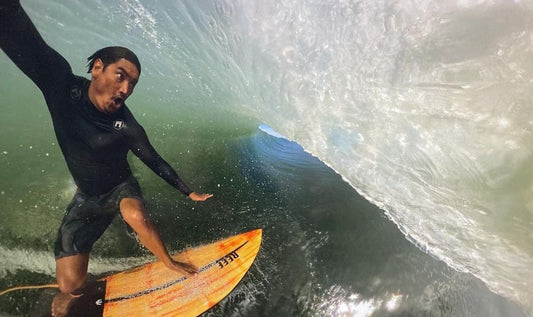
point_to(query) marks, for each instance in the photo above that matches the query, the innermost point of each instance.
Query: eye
(120, 76)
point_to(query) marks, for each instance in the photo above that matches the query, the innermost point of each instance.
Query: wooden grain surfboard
(154, 290)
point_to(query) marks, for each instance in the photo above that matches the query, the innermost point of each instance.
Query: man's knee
(132, 211)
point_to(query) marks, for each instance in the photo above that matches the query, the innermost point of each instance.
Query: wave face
(424, 107)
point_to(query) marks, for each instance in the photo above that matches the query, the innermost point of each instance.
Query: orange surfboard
(154, 290)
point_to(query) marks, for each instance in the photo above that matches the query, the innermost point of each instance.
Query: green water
(326, 250)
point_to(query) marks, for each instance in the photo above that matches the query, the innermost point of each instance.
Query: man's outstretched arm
(23, 44)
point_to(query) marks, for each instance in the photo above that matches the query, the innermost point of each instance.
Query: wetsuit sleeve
(23, 44)
(143, 149)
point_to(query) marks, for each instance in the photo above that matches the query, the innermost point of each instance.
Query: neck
(93, 97)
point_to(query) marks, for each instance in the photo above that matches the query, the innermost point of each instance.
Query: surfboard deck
(154, 290)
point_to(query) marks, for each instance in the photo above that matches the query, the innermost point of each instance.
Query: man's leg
(71, 272)
(134, 213)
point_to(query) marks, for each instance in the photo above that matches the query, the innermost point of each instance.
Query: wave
(43, 262)
(424, 107)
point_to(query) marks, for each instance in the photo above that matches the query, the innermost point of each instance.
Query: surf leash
(16, 288)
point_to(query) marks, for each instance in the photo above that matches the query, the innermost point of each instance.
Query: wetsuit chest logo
(75, 93)
(118, 124)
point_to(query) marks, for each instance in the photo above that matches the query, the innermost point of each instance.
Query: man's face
(110, 87)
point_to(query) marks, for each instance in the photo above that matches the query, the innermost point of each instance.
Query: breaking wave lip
(417, 135)
(268, 130)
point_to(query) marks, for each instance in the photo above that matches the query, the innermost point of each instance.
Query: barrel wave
(422, 108)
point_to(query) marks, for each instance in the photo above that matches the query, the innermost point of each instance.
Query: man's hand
(199, 197)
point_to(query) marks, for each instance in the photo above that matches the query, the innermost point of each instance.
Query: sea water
(393, 176)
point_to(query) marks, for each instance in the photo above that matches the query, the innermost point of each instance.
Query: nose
(125, 89)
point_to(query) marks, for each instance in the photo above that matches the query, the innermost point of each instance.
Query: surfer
(95, 131)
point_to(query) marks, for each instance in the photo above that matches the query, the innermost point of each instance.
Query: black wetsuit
(94, 144)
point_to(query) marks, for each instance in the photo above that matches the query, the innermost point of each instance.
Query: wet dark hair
(112, 54)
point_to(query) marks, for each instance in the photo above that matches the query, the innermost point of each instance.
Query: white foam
(43, 262)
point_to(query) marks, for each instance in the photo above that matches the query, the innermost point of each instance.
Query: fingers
(200, 197)
(206, 196)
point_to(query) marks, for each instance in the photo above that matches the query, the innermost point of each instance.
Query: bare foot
(182, 267)
(62, 303)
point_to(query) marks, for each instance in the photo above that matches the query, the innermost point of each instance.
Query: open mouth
(117, 102)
